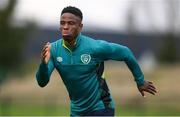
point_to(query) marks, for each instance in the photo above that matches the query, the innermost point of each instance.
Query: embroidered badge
(85, 58)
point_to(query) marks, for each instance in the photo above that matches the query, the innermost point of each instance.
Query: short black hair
(74, 10)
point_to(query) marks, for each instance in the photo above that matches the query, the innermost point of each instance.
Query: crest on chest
(85, 58)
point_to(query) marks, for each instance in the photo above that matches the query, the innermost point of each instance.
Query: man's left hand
(147, 87)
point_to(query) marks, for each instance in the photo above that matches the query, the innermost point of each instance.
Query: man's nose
(66, 26)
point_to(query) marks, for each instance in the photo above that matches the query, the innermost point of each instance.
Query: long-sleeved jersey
(81, 70)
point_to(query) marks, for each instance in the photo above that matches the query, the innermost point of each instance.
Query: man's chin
(67, 37)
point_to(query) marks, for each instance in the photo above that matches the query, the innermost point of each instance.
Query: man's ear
(80, 26)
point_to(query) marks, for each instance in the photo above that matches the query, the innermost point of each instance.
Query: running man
(80, 62)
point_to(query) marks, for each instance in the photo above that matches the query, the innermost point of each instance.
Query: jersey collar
(76, 43)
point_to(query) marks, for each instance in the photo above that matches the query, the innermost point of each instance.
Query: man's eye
(71, 23)
(62, 23)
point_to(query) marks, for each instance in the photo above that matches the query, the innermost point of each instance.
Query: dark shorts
(102, 112)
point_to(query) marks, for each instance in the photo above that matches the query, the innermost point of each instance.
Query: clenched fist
(45, 54)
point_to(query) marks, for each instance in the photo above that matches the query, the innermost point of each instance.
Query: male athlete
(80, 62)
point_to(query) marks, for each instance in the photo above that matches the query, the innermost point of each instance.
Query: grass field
(23, 97)
(36, 110)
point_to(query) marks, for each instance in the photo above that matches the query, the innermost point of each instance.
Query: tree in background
(12, 39)
(168, 52)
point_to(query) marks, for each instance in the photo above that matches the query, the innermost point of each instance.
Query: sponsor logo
(85, 58)
(59, 59)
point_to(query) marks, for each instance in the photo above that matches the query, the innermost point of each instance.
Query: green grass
(33, 110)
(129, 111)
(40, 110)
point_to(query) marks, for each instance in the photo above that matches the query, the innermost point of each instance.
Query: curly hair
(74, 10)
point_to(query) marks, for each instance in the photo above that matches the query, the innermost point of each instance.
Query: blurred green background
(157, 51)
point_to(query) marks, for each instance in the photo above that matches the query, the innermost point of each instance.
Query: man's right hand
(45, 54)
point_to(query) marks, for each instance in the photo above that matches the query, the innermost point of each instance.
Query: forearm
(42, 75)
(134, 67)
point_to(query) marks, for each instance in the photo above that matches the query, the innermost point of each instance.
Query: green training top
(81, 70)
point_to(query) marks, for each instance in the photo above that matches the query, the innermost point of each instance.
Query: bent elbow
(42, 84)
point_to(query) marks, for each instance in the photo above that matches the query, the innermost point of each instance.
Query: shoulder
(93, 41)
(87, 39)
(55, 45)
(95, 45)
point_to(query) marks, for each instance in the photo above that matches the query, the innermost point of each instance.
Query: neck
(70, 44)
